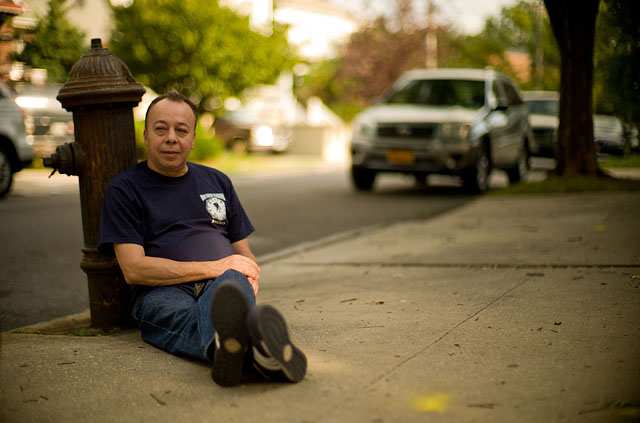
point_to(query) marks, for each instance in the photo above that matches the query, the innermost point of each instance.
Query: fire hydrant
(101, 94)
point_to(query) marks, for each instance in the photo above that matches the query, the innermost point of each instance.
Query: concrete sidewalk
(514, 309)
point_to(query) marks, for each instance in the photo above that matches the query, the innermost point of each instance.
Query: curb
(321, 242)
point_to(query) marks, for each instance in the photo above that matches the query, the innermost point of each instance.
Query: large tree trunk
(574, 25)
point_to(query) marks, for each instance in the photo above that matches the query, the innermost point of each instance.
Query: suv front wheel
(362, 178)
(6, 173)
(476, 178)
(521, 167)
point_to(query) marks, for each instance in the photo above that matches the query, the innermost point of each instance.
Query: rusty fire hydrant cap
(99, 77)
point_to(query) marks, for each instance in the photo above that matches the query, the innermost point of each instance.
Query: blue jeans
(177, 318)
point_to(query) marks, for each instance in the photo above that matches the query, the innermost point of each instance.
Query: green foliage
(613, 162)
(54, 44)
(372, 60)
(198, 48)
(206, 146)
(141, 150)
(515, 29)
(89, 332)
(617, 60)
(341, 95)
(320, 81)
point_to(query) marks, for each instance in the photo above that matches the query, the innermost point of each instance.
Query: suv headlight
(365, 128)
(458, 130)
(264, 136)
(26, 102)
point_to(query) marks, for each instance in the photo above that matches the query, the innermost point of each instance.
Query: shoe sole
(269, 330)
(229, 309)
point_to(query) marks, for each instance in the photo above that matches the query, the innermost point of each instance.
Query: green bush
(140, 148)
(206, 146)
(632, 160)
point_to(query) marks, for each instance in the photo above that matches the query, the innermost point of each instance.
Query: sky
(467, 16)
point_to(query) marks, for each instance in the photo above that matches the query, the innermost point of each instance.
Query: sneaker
(229, 309)
(274, 354)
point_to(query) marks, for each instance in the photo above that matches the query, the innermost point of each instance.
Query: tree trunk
(574, 24)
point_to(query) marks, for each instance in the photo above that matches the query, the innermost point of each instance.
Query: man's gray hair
(176, 98)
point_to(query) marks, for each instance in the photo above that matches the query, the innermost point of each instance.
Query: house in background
(8, 9)
(316, 27)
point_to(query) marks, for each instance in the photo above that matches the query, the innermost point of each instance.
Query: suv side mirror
(501, 104)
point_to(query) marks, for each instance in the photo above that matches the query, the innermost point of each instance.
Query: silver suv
(460, 122)
(15, 153)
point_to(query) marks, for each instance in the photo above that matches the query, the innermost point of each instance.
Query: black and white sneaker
(229, 309)
(275, 356)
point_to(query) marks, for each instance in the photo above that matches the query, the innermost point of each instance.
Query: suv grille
(544, 134)
(405, 130)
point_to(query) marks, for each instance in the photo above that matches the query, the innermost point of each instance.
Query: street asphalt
(507, 309)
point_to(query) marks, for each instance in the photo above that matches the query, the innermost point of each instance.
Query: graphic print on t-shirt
(216, 206)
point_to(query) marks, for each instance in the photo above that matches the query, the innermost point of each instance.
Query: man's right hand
(243, 264)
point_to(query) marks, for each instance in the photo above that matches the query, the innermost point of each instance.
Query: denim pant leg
(175, 321)
(167, 319)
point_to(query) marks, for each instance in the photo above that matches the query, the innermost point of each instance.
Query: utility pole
(432, 37)
(539, 9)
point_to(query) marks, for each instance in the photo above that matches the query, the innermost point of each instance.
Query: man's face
(169, 136)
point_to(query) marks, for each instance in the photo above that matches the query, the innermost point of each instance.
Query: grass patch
(554, 184)
(36, 163)
(89, 332)
(611, 162)
(240, 164)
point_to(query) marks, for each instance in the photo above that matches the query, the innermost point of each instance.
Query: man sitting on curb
(180, 234)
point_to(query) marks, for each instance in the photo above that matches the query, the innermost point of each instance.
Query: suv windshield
(543, 107)
(440, 92)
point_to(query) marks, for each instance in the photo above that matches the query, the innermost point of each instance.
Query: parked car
(15, 153)
(462, 122)
(543, 117)
(631, 132)
(264, 121)
(46, 122)
(242, 130)
(609, 135)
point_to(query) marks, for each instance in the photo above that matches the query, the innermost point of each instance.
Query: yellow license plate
(404, 157)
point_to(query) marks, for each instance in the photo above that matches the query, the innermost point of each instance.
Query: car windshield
(440, 92)
(39, 98)
(543, 107)
(607, 124)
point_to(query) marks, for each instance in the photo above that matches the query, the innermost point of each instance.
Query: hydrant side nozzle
(68, 159)
(49, 161)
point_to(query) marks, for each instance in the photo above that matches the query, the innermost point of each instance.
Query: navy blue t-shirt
(194, 217)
